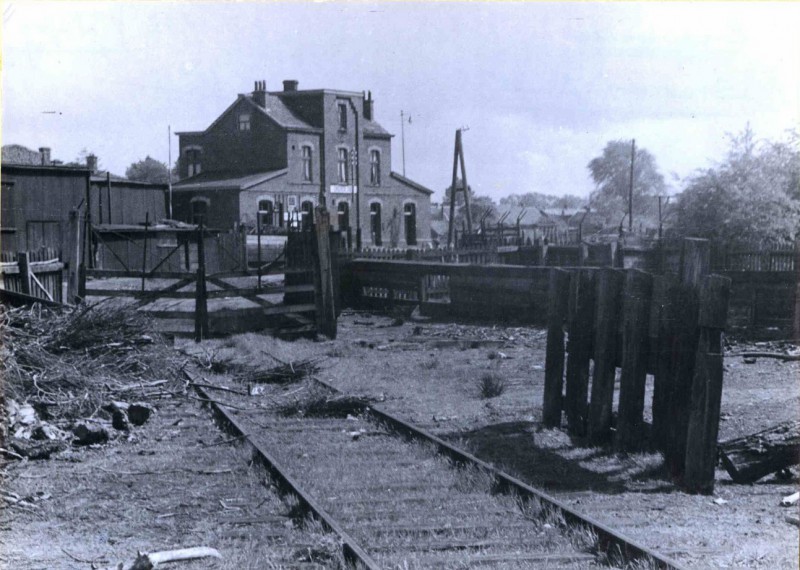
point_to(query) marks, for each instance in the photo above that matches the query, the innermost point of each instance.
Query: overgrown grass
(492, 385)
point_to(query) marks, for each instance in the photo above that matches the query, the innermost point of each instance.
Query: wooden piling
(661, 324)
(201, 295)
(607, 308)
(635, 315)
(703, 427)
(144, 248)
(323, 275)
(558, 298)
(695, 262)
(579, 349)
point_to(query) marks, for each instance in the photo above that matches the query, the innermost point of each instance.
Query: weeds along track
(401, 498)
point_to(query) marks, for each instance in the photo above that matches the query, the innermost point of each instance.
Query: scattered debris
(148, 561)
(282, 374)
(748, 459)
(791, 519)
(719, 501)
(750, 357)
(32, 449)
(87, 434)
(790, 500)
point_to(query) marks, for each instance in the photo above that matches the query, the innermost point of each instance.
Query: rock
(90, 434)
(139, 413)
(37, 449)
(119, 420)
(47, 432)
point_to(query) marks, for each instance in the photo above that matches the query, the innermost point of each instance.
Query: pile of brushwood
(77, 376)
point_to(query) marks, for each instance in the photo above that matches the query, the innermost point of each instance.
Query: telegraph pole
(169, 168)
(403, 139)
(630, 191)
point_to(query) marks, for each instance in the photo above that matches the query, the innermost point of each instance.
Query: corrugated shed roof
(223, 181)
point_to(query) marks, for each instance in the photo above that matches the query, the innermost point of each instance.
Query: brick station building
(271, 155)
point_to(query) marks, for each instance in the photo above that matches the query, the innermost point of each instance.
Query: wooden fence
(478, 256)
(250, 305)
(669, 326)
(37, 274)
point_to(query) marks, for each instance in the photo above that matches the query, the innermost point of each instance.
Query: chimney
(45, 152)
(368, 106)
(91, 163)
(260, 93)
(290, 84)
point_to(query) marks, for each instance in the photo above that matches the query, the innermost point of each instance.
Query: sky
(541, 86)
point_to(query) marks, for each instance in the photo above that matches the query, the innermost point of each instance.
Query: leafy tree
(754, 195)
(148, 170)
(611, 173)
(538, 200)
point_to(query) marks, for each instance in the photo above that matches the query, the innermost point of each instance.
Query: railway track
(399, 497)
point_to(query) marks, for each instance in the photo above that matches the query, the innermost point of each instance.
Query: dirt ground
(177, 482)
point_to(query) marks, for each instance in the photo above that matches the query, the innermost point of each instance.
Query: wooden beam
(579, 349)
(558, 300)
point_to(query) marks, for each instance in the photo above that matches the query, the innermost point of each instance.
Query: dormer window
(342, 116)
(193, 166)
(244, 122)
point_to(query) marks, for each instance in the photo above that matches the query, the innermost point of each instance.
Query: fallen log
(748, 459)
(147, 561)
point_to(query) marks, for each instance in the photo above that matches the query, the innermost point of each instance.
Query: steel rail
(352, 551)
(611, 541)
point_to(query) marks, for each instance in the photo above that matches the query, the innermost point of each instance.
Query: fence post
(579, 349)
(23, 262)
(694, 266)
(703, 429)
(558, 300)
(636, 313)
(323, 275)
(144, 247)
(796, 320)
(609, 289)
(201, 301)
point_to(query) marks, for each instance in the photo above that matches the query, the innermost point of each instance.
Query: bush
(492, 385)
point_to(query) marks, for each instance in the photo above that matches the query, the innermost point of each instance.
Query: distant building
(271, 155)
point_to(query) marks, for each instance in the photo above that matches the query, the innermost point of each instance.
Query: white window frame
(244, 121)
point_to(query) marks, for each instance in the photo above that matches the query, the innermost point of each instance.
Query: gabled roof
(223, 181)
(408, 182)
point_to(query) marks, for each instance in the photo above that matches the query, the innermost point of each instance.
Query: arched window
(199, 211)
(343, 209)
(375, 167)
(266, 213)
(307, 213)
(375, 223)
(410, 215)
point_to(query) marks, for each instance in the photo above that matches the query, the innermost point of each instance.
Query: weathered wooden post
(579, 349)
(558, 300)
(609, 290)
(201, 300)
(694, 266)
(661, 314)
(23, 262)
(144, 248)
(701, 443)
(635, 324)
(323, 275)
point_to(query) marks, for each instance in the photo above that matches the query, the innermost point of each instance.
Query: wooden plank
(703, 428)
(288, 309)
(695, 262)
(636, 321)
(201, 304)
(558, 300)
(748, 459)
(607, 309)
(661, 333)
(579, 349)
(323, 275)
(23, 259)
(157, 275)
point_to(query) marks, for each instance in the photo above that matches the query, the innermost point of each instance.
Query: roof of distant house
(18, 154)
